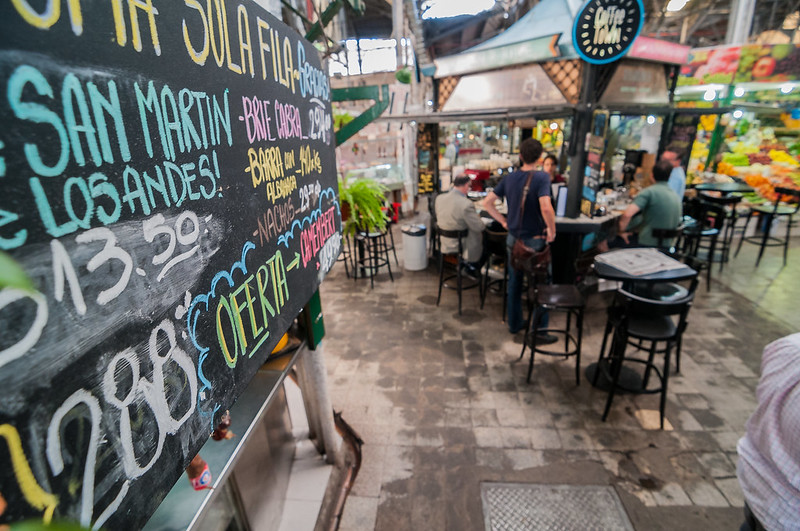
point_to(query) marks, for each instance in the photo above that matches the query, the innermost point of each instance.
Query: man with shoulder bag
(531, 220)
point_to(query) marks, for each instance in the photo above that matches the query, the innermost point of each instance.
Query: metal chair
(730, 204)
(561, 298)
(702, 226)
(768, 213)
(494, 246)
(636, 320)
(373, 252)
(455, 259)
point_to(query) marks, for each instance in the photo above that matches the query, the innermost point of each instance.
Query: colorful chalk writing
(168, 182)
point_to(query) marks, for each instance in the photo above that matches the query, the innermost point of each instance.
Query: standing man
(769, 453)
(537, 228)
(677, 177)
(454, 211)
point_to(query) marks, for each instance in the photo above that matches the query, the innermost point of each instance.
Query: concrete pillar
(740, 21)
(397, 29)
(318, 402)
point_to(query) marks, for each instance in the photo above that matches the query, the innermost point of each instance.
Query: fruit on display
(765, 62)
(764, 67)
(710, 66)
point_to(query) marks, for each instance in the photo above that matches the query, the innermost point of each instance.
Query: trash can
(415, 252)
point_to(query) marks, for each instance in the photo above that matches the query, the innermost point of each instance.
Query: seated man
(769, 453)
(655, 207)
(454, 211)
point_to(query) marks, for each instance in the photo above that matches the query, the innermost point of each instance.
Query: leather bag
(524, 258)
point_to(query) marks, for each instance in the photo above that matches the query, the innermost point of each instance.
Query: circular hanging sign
(604, 30)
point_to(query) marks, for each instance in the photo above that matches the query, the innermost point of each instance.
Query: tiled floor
(442, 404)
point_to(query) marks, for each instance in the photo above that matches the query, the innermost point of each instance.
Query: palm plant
(362, 205)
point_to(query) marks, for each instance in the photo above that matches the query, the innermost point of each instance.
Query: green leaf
(12, 275)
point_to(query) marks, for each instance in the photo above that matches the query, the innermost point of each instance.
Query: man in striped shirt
(769, 452)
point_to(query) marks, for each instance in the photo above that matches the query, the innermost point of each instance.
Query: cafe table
(725, 188)
(655, 274)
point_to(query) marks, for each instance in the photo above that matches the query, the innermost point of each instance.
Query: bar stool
(456, 258)
(769, 213)
(562, 298)
(635, 320)
(701, 231)
(346, 255)
(729, 203)
(494, 245)
(374, 254)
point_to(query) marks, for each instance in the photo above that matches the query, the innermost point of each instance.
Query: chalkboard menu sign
(427, 158)
(681, 136)
(168, 182)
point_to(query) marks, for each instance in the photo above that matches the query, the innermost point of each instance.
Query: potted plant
(362, 205)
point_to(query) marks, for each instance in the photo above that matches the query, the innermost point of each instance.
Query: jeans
(516, 280)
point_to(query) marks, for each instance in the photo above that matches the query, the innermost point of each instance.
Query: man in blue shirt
(537, 228)
(677, 179)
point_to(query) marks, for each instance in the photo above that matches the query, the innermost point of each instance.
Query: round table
(672, 275)
(725, 188)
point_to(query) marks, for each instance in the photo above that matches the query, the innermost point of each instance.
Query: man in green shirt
(655, 207)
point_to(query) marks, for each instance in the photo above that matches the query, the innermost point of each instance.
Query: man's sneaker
(471, 272)
(543, 339)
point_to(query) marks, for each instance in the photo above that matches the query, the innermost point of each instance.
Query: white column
(740, 21)
(319, 400)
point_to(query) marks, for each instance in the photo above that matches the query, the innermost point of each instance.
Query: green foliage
(365, 200)
(12, 275)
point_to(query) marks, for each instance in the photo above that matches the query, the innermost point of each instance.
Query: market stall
(556, 74)
(751, 129)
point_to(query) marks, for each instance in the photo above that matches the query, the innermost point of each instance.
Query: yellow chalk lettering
(33, 493)
(119, 22)
(231, 361)
(233, 67)
(51, 14)
(262, 276)
(219, 54)
(136, 36)
(239, 308)
(201, 56)
(256, 329)
(244, 39)
(262, 46)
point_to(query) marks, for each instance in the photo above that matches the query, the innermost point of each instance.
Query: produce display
(762, 162)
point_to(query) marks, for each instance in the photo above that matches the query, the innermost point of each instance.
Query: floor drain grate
(522, 506)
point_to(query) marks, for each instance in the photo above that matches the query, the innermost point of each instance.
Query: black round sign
(604, 30)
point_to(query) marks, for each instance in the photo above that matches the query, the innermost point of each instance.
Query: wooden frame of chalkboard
(168, 182)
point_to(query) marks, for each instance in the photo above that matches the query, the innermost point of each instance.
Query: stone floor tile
(545, 439)
(488, 437)
(717, 464)
(511, 417)
(671, 494)
(516, 437)
(359, 513)
(705, 494)
(522, 459)
(730, 488)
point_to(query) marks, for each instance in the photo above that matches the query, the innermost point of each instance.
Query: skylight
(451, 8)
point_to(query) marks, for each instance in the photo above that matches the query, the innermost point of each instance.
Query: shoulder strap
(525, 196)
